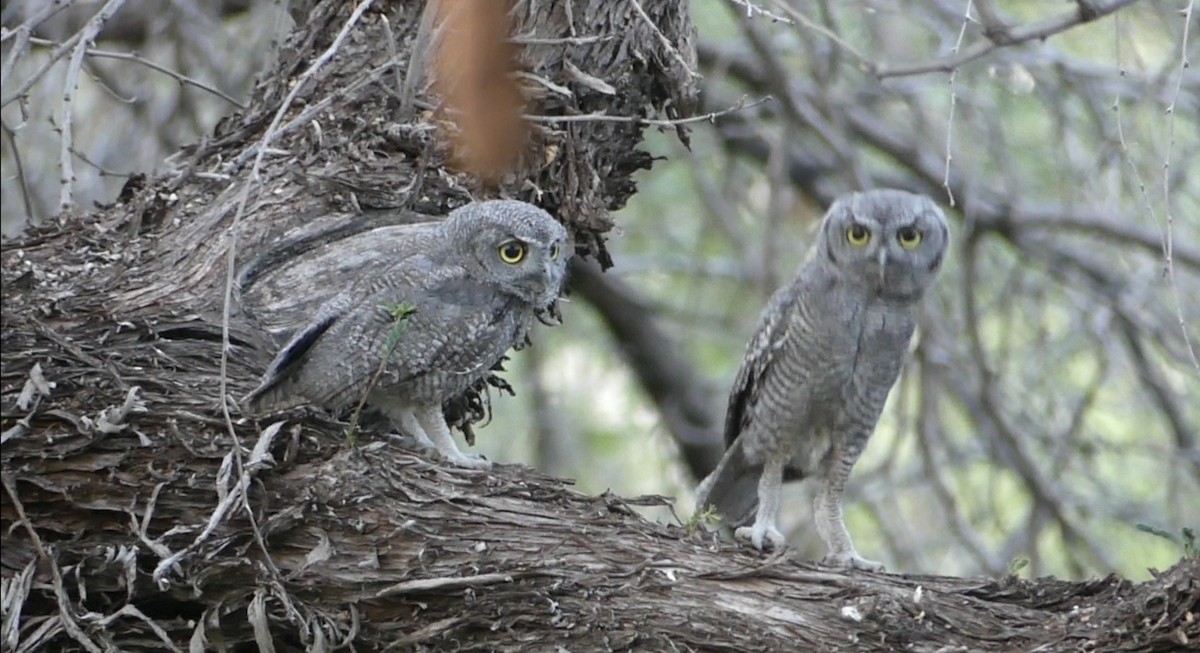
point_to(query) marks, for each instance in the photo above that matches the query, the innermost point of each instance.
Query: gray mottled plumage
(816, 373)
(470, 306)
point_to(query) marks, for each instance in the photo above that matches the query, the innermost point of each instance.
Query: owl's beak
(883, 257)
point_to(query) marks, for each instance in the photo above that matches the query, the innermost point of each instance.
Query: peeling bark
(132, 521)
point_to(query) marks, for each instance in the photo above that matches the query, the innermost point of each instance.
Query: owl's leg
(765, 531)
(827, 511)
(410, 425)
(401, 416)
(435, 426)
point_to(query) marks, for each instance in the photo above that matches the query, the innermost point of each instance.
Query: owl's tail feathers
(732, 488)
(273, 394)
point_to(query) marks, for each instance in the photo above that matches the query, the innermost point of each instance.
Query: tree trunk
(132, 521)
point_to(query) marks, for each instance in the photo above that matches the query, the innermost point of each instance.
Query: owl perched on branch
(826, 352)
(407, 337)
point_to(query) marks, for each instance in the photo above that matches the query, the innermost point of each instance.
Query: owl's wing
(760, 355)
(275, 388)
(454, 325)
(732, 488)
(288, 284)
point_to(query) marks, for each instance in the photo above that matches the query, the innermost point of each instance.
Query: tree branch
(1001, 36)
(691, 409)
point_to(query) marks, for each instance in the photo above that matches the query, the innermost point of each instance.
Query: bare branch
(1006, 38)
(133, 57)
(70, 86)
(740, 105)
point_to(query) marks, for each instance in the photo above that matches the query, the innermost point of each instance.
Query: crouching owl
(416, 332)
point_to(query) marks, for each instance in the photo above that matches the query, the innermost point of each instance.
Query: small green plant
(1186, 538)
(1016, 565)
(707, 516)
(399, 314)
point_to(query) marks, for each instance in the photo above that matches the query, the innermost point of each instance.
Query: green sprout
(1016, 565)
(1186, 539)
(399, 314)
(706, 516)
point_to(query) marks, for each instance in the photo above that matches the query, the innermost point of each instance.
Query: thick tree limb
(376, 545)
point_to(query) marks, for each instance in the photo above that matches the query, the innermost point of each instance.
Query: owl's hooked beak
(883, 257)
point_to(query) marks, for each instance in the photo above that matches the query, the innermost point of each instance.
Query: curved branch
(691, 408)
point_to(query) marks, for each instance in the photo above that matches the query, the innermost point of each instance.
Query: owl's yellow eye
(908, 238)
(554, 252)
(512, 252)
(858, 235)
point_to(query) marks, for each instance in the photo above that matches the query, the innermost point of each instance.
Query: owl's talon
(851, 560)
(412, 443)
(468, 460)
(763, 538)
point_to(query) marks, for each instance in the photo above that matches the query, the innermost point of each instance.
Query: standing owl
(826, 352)
(420, 331)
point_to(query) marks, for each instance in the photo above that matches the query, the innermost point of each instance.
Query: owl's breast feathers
(819, 358)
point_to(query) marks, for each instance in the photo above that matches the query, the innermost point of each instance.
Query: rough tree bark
(133, 522)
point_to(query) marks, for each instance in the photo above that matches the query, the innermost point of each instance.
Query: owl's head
(514, 245)
(889, 243)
